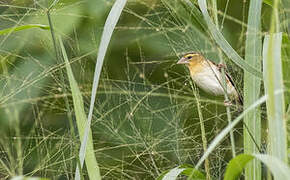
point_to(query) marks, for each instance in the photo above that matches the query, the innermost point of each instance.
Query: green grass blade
(27, 178)
(109, 27)
(235, 167)
(91, 162)
(273, 80)
(24, 27)
(218, 139)
(268, 2)
(173, 173)
(224, 45)
(190, 172)
(252, 84)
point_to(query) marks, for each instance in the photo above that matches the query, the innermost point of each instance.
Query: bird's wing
(240, 98)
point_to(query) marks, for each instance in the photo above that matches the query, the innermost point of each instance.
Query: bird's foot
(228, 103)
(220, 66)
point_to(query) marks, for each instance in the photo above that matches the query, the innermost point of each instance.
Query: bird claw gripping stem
(228, 103)
(220, 66)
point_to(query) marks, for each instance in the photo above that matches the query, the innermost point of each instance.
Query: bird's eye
(189, 57)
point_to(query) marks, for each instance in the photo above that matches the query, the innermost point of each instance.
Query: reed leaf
(185, 170)
(235, 167)
(91, 162)
(252, 121)
(273, 80)
(109, 27)
(24, 27)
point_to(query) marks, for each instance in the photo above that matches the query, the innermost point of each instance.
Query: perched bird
(207, 75)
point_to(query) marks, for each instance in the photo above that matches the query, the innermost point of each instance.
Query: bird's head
(190, 58)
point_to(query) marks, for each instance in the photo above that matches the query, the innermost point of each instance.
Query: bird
(207, 75)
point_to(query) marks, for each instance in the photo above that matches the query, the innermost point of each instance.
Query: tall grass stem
(252, 121)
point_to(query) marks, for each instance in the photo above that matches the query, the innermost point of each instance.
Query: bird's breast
(209, 79)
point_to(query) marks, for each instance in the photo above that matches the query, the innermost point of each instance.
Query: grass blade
(235, 167)
(252, 84)
(273, 80)
(91, 162)
(24, 27)
(109, 27)
(190, 172)
(224, 45)
(28, 178)
(173, 173)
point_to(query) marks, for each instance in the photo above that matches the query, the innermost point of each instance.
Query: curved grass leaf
(279, 169)
(186, 170)
(91, 162)
(236, 166)
(224, 45)
(109, 27)
(24, 27)
(173, 173)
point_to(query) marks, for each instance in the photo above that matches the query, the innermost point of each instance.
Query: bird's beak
(183, 61)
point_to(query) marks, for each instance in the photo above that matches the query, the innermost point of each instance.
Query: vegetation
(91, 90)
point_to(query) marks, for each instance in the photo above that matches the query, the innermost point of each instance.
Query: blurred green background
(145, 119)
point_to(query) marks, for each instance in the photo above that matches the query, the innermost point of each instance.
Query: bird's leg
(220, 66)
(228, 103)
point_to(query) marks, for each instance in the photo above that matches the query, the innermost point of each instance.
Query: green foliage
(24, 27)
(145, 120)
(252, 121)
(186, 170)
(268, 2)
(273, 81)
(81, 120)
(28, 178)
(235, 167)
(285, 56)
(224, 45)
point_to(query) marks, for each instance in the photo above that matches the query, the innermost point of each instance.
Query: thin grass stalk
(59, 59)
(202, 129)
(223, 83)
(229, 116)
(62, 81)
(252, 121)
